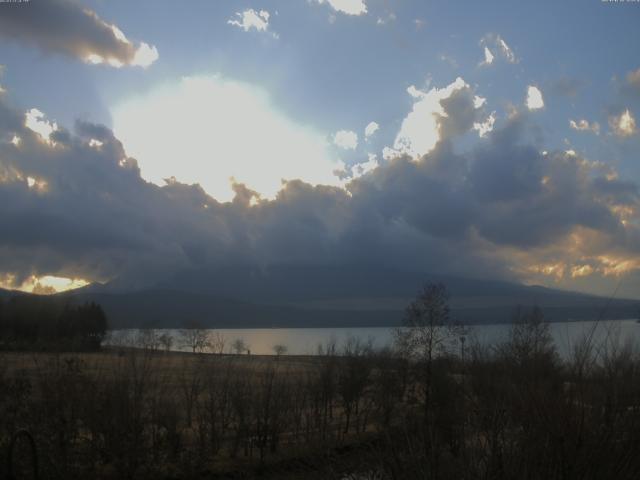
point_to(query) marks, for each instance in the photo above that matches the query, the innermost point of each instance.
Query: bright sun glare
(47, 284)
(208, 130)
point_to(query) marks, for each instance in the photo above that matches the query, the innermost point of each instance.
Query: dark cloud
(79, 208)
(461, 113)
(65, 26)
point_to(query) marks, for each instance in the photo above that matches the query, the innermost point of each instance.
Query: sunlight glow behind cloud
(585, 126)
(45, 285)
(419, 131)
(208, 130)
(35, 120)
(623, 125)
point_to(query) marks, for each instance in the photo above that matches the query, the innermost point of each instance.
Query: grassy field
(513, 410)
(180, 412)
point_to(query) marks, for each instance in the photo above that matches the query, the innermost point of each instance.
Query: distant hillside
(327, 297)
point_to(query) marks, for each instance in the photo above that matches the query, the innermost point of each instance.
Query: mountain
(313, 296)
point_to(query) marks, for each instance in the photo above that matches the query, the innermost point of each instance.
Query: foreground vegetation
(428, 409)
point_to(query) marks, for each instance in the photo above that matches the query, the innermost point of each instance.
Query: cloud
(488, 57)
(506, 50)
(35, 121)
(623, 125)
(449, 60)
(370, 129)
(248, 19)
(363, 168)
(500, 206)
(64, 26)
(485, 127)
(567, 86)
(145, 55)
(389, 18)
(419, 23)
(346, 139)
(585, 126)
(230, 129)
(633, 79)
(495, 47)
(436, 114)
(534, 99)
(348, 7)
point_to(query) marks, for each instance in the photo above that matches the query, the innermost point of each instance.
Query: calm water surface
(305, 341)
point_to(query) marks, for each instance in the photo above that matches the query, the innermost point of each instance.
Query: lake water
(305, 341)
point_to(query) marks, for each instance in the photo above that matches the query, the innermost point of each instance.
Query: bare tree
(195, 337)
(529, 337)
(217, 342)
(427, 331)
(190, 380)
(166, 340)
(148, 339)
(353, 377)
(427, 327)
(280, 349)
(239, 346)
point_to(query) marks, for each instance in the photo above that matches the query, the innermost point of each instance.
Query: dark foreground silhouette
(434, 407)
(33, 322)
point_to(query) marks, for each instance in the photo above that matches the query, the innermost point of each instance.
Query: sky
(481, 139)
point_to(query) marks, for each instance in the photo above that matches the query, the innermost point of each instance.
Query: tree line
(34, 322)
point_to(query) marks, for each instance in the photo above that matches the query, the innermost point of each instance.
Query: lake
(305, 341)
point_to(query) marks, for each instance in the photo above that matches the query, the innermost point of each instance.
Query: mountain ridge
(319, 296)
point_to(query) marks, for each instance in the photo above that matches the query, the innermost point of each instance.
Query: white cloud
(419, 132)
(206, 130)
(35, 121)
(496, 47)
(534, 98)
(346, 139)
(250, 18)
(361, 169)
(348, 7)
(145, 55)
(623, 125)
(389, 153)
(391, 17)
(370, 129)
(479, 101)
(483, 128)
(506, 50)
(488, 57)
(585, 125)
